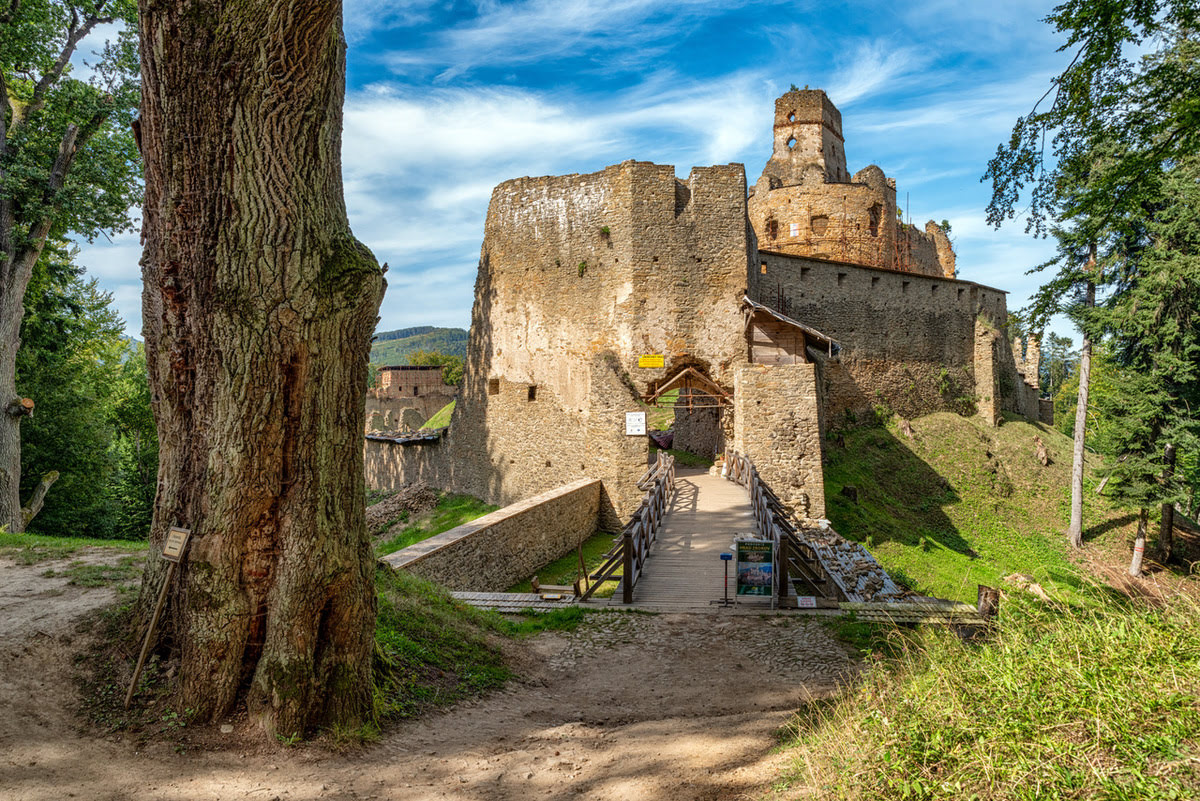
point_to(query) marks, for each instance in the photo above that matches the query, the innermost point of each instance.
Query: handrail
(794, 558)
(631, 548)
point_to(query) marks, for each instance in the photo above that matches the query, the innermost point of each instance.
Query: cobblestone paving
(792, 647)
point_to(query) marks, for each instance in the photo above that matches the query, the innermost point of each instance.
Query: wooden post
(627, 567)
(158, 607)
(987, 602)
(782, 573)
(1166, 532)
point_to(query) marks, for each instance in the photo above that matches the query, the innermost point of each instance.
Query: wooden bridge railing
(631, 548)
(795, 560)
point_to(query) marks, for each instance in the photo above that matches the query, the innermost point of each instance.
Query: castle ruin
(798, 307)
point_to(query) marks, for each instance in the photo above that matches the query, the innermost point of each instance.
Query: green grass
(685, 458)
(564, 571)
(81, 574)
(430, 650)
(28, 549)
(1098, 700)
(451, 511)
(442, 418)
(961, 504)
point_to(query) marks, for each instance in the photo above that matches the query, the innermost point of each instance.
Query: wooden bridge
(668, 557)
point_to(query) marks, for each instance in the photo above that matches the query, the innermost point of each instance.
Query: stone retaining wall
(494, 552)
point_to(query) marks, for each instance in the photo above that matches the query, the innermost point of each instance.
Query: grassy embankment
(1090, 695)
(441, 418)
(451, 511)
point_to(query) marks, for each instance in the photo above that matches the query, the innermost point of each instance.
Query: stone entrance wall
(777, 423)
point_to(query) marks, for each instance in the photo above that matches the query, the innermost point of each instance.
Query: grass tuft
(1095, 701)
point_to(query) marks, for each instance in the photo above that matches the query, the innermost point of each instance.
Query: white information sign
(635, 424)
(794, 229)
(806, 602)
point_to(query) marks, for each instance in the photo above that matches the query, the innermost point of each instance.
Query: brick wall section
(494, 552)
(403, 380)
(777, 423)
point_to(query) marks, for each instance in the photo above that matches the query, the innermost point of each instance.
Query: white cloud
(873, 67)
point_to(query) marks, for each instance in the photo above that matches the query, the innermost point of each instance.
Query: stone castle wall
(579, 276)
(806, 204)
(908, 342)
(494, 552)
(777, 423)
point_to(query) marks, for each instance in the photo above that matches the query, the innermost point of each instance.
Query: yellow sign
(650, 361)
(176, 541)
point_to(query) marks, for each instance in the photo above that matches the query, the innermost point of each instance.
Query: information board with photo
(754, 565)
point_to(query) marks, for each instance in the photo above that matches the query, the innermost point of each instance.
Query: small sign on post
(651, 360)
(176, 542)
(806, 602)
(635, 424)
(173, 549)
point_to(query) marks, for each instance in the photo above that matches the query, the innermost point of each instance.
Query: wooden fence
(796, 562)
(631, 548)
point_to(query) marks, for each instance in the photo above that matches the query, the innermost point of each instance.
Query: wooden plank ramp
(514, 602)
(684, 571)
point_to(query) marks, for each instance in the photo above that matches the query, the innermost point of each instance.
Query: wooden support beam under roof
(690, 378)
(750, 308)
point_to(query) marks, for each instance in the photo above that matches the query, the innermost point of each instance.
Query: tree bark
(1075, 532)
(1166, 531)
(1139, 543)
(258, 309)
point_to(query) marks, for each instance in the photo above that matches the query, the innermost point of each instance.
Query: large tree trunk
(1075, 533)
(258, 310)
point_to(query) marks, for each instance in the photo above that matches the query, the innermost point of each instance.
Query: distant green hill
(395, 347)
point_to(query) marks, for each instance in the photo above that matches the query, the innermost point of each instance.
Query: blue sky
(447, 99)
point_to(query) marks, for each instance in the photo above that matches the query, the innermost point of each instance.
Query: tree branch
(38, 499)
(75, 34)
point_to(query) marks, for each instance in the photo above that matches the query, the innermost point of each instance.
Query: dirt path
(669, 706)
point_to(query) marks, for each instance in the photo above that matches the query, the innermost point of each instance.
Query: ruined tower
(808, 138)
(806, 203)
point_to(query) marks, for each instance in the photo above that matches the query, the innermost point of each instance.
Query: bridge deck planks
(684, 569)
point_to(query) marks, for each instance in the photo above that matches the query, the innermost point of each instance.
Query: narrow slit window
(493, 386)
(532, 395)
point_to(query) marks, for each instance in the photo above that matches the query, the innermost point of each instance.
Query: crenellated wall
(908, 342)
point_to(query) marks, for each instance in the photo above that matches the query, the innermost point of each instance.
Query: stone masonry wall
(806, 204)
(907, 341)
(495, 551)
(777, 424)
(579, 276)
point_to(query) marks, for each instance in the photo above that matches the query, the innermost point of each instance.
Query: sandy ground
(627, 707)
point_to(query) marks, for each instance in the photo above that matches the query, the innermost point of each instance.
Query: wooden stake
(158, 607)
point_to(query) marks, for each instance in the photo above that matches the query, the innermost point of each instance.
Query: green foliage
(391, 348)
(104, 179)
(451, 511)
(69, 363)
(452, 366)
(93, 422)
(441, 418)
(1096, 701)
(1058, 363)
(1154, 324)
(430, 650)
(134, 447)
